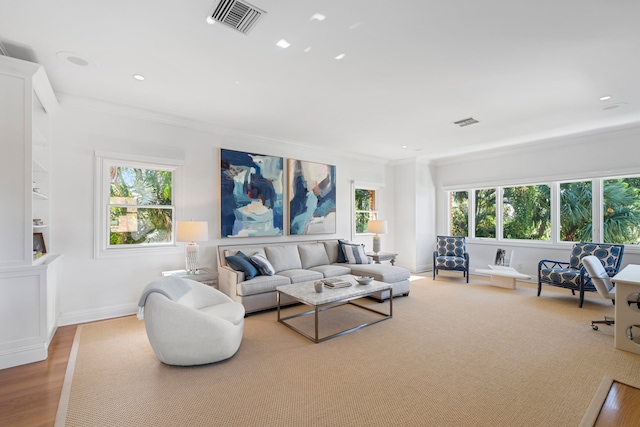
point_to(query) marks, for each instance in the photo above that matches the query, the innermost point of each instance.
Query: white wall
(92, 288)
(596, 154)
(415, 214)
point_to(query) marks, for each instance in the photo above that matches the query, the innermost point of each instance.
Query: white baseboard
(84, 316)
(23, 355)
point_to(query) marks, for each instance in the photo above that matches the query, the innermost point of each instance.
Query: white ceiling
(525, 70)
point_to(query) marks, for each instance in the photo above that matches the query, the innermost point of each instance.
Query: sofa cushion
(313, 254)
(260, 285)
(354, 254)
(333, 248)
(284, 257)
(299, 276)
(241, 262)
(381, 272)
(332, 270)
(263, 264)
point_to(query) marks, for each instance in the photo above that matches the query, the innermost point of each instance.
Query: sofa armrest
(228, 278)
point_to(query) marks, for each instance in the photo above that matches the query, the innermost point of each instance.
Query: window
(621, 210)
(459, 213)
(366, 208)
(140, 205)
(485, 213)
(526, 212)
(576, 222)
(538, 212)
(137, 202)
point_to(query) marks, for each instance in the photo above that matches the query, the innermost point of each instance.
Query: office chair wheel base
(595, 327)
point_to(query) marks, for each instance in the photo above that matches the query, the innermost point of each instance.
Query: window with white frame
(599, 209)
(366, 201)
(137, 202)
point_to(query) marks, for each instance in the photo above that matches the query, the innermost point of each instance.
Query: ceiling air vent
(239, 15)
(466, 122)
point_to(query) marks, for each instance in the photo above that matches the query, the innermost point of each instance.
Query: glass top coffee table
(331, 298)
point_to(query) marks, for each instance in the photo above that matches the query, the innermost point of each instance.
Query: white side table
(503, 277)
(627, 283)
(382, 256)
(204, 275)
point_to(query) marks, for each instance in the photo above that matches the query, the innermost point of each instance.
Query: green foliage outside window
(576, 222)
(621, 210)
(485, 212)
(141, 209)
(366, 210)
(459, 211)
(527, 212)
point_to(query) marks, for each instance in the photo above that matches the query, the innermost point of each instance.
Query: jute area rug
(454, 354)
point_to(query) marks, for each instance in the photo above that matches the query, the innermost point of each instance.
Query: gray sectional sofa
(297, 262)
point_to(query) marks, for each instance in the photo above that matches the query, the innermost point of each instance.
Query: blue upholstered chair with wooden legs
(572, 275)
(451, 254)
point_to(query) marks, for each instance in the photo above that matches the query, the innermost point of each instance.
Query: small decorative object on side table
(202, 275)
(382, 256)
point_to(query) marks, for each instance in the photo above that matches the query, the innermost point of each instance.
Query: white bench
(503, 277)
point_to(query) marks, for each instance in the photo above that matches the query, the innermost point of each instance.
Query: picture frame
(38, 243)
(312, 197)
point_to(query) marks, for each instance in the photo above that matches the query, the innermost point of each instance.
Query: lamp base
(376, 244)
(191, 257)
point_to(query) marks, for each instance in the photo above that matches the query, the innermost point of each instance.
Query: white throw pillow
(263, 264)
(355, 254)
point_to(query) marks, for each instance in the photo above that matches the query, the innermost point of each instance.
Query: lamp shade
(378, 226)
(192, 231)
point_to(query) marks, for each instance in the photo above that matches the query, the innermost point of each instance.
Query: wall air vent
(239, 15)
(466, 122)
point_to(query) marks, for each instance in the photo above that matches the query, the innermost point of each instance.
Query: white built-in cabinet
(28, 303)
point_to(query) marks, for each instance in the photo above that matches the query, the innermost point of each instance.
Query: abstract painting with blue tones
(251, 188)
(312, 197)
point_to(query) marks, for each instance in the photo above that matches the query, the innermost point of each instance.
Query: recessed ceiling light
(405, 146)
(307, 49)
(616, 105)
(604, 98)
(139, 77)
(75, 59)
(283, 44)
(342, 55)
(318, 17)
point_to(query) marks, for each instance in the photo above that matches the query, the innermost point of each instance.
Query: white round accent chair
(190, 323)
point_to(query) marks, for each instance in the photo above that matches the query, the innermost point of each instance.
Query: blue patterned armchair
(451, 254)
(572, 275)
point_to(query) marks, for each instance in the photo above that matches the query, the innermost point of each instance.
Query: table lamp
(377, 226)
(192, 232)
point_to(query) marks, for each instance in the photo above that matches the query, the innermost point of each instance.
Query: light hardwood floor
(29, 394)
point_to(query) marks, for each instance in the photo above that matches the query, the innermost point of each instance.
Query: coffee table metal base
(323, 307)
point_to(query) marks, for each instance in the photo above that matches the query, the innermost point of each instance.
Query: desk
(627, 283)
(382, 256)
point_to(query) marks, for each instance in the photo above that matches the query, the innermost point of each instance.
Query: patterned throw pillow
(342, 244)
(355, 254)
(241, 262)
(263, 264)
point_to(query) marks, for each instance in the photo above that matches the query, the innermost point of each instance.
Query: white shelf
(40, 227)
(39, 196)
(37, 167)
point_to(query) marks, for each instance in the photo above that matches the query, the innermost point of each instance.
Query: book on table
(336, 282)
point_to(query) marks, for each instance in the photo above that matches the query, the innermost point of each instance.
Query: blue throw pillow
(341, 243)
(241, 262)
(354, 254)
